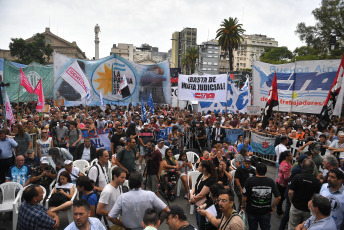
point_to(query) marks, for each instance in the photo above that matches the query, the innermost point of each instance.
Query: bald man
(19, 173)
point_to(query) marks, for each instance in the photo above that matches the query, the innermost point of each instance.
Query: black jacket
(214, 134)
(80, 149)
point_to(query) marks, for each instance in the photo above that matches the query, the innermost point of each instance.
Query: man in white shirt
(98, 172)
(111, 192)
(161, 146)
(280, 149)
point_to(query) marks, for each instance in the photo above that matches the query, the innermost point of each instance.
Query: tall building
(57, 43)
(123, 50)
(250, 50)
(209, 57)
(181, 41)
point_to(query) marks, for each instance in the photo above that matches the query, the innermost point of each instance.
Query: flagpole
(226, 93)
(18, 101)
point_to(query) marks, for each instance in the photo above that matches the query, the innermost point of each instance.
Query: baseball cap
(44, 160)
(161, 117)
(161, 140)
(67, 162)
(145, 124)
(175, 210)
(247, 159)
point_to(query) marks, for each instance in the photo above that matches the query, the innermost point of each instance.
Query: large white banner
(174, 98)
(237, 101)
(302, 86)
(202, 88)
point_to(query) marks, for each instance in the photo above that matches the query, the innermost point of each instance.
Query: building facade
(250, 50)
(209, 57)
(181, 41)
(57, 43)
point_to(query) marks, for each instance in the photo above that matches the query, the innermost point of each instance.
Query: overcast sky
(150, 21)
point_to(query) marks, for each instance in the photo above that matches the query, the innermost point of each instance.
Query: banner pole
(18, 101)
(27, 101)
(226, 92)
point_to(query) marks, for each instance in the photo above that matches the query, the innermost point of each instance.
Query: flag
(150, 103)
(334, 100)
(272, 102)
(9, 114)
(25, 82)
(77, 79)
(102, 103)
(143, 111)
(39, 92)
(124, 88)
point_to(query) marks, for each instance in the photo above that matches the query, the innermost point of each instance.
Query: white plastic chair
(233, 164)
(126, 183)
(69, 212)
(11, 193)
(233, 180)
(110, 172)
(81, 164)
(191, 157)
(193, 176)
(177, 156)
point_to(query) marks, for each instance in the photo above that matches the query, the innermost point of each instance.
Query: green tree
(276, 55)
(35, 51)
(328, 29)
(230, 37)
(189, 59)
(306, 53)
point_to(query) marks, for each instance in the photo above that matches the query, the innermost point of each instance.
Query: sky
(150, 21)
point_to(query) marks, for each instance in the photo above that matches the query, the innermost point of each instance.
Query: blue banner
(232, 135)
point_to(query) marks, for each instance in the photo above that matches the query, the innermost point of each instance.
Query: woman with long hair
(200, 193)
(23, 139)
(285, 164)
(85, 188)
(62, 193)
(224, 177)
(218, 158)
(168, 162)
(184, 166)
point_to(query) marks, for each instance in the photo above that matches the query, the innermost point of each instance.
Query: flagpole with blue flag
(143, 110)
(150, 103)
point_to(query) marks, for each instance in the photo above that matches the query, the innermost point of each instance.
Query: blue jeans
(277, 169)
(263, 220)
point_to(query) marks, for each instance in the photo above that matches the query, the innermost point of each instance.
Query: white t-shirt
(103, 176)
(162, 150)
(44, 146)
(109, 196)
(86, 155)
(280, 149)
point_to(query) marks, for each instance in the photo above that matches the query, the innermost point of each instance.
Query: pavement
(6, 222)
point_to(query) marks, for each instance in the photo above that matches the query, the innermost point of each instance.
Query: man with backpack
(98, 172)
(110, 193)
(126, 156)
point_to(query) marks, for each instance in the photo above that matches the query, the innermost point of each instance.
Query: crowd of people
(232, 190)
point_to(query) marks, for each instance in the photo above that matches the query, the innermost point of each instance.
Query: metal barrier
(34, 138)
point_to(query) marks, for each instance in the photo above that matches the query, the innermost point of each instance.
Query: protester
(98, 172)
(301, 190)
(135, 199)
(32, 215)
(145, 136)
(184, 168)
(334, 192)
(44, 144)
(44, 174)
(230, 220)
(85, 151)
(126, 157)
(86, 191)
(23, 139)
(257, 197)
(151, 219)
(153, 169)
(161, 147)
(176, 219)
(31, 159)
(82, 217)
(7, 144)
(19, 172)
(74, 172)
(320, 208)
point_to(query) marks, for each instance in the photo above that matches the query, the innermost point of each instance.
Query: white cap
(44, 160)
(145, 124)
(67, 162)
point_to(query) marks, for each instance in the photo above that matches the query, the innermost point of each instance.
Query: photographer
(145, 136)
(153, 168)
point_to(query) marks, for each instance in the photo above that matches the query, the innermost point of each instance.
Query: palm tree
(189, 59)
(230, 37)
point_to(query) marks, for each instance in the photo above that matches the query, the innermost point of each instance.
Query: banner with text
(105, 76)
(237, 101)
(302, 86)
(232, 134)
(202, 88)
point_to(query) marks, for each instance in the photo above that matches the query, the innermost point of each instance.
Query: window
(216, 47)
(209, 68)
(215, 63)
(204, 68)
(210, 51)
(210, 56)
(216, 52)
